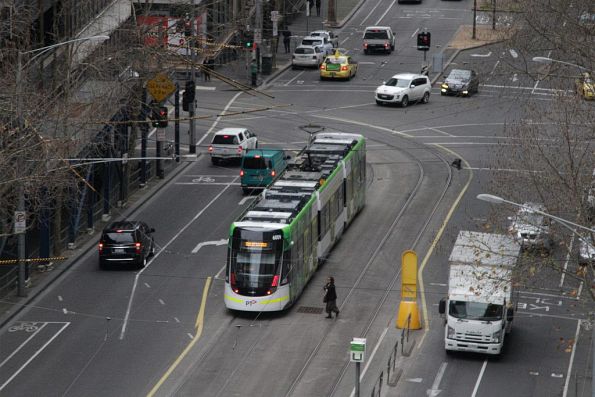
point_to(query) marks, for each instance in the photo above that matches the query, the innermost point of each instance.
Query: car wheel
(405, 101)
(152, 248)
(215, 161)
(366, 52)
(426, 97)
(246, 191)
(378, 102)
(392, 47)
(102, 265)
(442, 93)
(256, 145)
(143, 262)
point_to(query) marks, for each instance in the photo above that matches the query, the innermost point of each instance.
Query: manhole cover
(309, 309)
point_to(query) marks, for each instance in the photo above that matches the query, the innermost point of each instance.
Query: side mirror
(384, 82)
(152, 230)
(412, 86)
(509, 314)
(287, 157)
(442, 306)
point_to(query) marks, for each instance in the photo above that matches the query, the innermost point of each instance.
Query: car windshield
(336, 60)
(311, 42)
(475, 310)
(118, 238)
(304, 50)
(376, 35)
(459, 74)
(402, 83)
(225, 140)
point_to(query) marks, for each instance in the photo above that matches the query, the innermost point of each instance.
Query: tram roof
(260, 225)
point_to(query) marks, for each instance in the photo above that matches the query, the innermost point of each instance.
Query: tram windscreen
(255, 260)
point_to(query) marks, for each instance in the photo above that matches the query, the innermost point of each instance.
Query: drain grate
(309, 309)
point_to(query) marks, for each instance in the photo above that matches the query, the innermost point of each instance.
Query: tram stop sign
(160, 87)
(358, 350)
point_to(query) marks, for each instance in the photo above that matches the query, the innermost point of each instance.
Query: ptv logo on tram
(250, 303)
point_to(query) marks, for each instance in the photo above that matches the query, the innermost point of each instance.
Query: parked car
(378, 38)
(318, 41)
(260, 167)
(338, 66)
(404, 88)
(231, 143)
(126, 242)
(332, 37)
(307, 56)
(585, 86)
(460, 82)
(586, 254)
(531, 229)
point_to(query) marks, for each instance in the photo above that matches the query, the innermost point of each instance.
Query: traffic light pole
(177, 123)
(192, 126)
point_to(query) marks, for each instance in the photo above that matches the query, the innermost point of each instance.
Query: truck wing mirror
(509, 314)
(442, 306)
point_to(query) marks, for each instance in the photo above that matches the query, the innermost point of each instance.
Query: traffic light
(248, 40)
(159, 117)
(423, 41)
(189, 95)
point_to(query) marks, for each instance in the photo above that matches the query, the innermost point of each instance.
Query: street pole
(258, 31)
(177, 123)
(474, 17)
(21, 291)
(357, 379)
(192, 127)
(493, 14)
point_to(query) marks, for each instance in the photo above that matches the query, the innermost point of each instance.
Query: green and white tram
(275, 247)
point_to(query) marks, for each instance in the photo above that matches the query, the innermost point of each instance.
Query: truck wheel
(215, 161)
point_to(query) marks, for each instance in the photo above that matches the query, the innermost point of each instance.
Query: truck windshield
(475, 310)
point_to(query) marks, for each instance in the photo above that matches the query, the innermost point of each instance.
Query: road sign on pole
(258, 36)
(161, 87)
(20, 222)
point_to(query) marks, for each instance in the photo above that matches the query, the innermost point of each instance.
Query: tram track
(411, 197)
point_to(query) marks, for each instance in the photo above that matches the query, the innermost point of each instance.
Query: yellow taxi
(585, 86)
(338, 66)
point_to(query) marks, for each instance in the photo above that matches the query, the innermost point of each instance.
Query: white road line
(60, 298)
(551, 295)
(138, 274)
(176, 320)
(563, 276)
(483, 368)
(22, 345)
(344, 40)
(537, 82)
(434, 391)
(208, 183)
(494, 68)
(414, 33)
(147, 285)
(566, 383)
(231, 101)
(296, 76)
(204, 243)
(33, 356)
(219, 273)
(347, 121)
(371, 357)
(162, 302)
(243, 201)
(385, 12)
(64, 310)
(190, 335)
(514, 87)
(370, 13)
(502, 169)
(440, 131)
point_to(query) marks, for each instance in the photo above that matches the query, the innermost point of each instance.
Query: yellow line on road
(198, 328)
(420, 275)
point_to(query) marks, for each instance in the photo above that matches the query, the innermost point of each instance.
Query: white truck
(481, 301)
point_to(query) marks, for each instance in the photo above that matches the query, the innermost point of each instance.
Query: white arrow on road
(482, 55)
(434, 391)
(205, 243)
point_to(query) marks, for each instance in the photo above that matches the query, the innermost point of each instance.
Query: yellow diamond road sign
(160, 87)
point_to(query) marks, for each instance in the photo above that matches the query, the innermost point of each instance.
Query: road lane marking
(414, 33)
(22, 367)
(177, 320)
(147, 285)
(60, 298)
(370, 13)
(441, 132)
(566, 383)
(385, 12)
(342, 120)
(138, 274)
(64, 310)
(205, 243)
(218, 275)
(22, 345)
(161, 301)
(434, 391)
(190, 335)
(243, 201)
(199, 327)
(231, 101)
(567, 259)
(483, 368)
(296, 76)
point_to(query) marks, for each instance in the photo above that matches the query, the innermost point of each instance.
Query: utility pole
(474, 18)
(258, 31)
(194, 34)
(21, 201)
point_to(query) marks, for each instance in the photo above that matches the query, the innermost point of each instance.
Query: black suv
(126, 242)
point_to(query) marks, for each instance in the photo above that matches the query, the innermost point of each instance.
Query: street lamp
(490, 198)
(20, 212)
(550, 60)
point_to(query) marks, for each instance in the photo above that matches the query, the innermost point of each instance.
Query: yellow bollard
(408, 316)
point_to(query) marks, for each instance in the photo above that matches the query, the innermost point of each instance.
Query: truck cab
(480, 305)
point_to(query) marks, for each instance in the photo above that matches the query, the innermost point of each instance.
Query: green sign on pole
(358, 350)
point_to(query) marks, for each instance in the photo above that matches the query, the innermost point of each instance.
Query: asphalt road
(165, 330)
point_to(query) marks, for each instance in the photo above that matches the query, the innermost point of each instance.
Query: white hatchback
(306, 55)
(403, 89)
